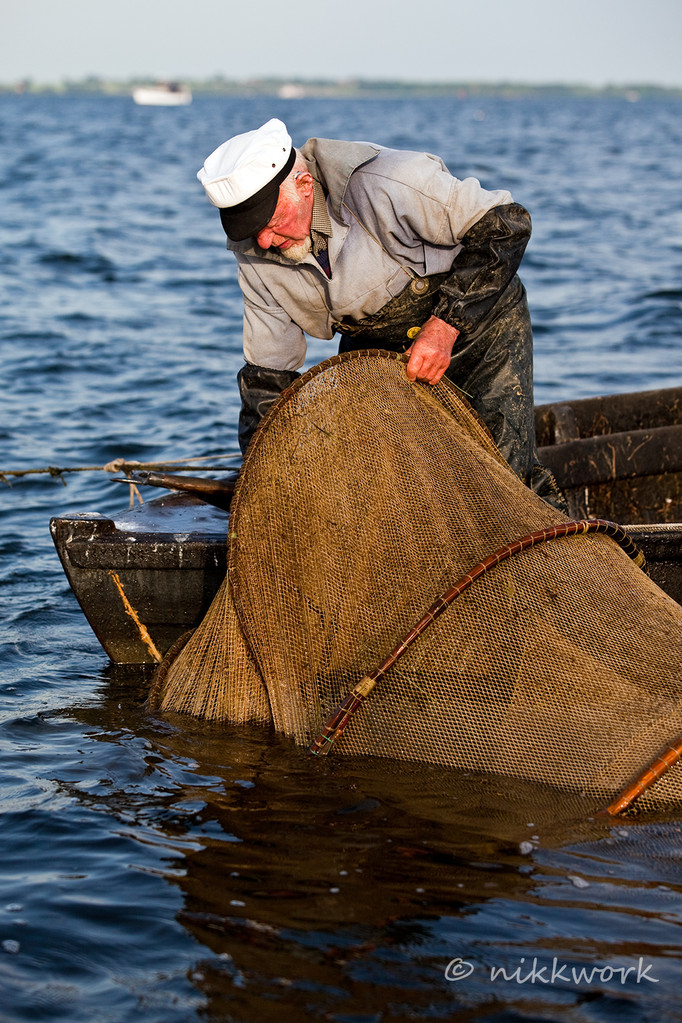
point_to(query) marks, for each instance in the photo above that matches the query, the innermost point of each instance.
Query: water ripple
(160, 870)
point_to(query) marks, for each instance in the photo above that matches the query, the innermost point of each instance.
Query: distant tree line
(355, 87)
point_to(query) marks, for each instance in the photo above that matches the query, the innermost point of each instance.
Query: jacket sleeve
(259, 389)
(490, 256)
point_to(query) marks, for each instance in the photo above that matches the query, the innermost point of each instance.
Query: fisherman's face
(288, 230)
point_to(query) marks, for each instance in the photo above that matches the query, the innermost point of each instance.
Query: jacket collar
(332, 162)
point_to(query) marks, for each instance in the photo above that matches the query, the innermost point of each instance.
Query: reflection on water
(343, 889)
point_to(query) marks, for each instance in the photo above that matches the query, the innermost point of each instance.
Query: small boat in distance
(165, 94)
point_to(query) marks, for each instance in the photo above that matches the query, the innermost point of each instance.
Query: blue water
(168, 871)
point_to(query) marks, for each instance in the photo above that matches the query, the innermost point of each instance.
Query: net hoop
(339, 719)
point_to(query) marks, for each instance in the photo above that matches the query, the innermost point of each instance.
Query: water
(168, 871)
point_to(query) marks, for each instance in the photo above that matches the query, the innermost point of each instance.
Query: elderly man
(389, 250)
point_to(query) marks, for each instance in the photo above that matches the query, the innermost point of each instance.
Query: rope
(338, 720)
(118, 465)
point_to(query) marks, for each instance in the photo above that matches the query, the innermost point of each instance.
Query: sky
(592, 42)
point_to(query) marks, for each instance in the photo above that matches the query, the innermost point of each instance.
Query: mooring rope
(120, 465)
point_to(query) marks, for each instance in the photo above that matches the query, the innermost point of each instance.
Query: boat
(145, 577)
(165, 94)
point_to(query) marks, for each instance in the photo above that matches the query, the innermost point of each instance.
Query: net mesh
(362, 498)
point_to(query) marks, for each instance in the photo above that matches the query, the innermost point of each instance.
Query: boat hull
(146, 577)
(617, 458)
(141, 592)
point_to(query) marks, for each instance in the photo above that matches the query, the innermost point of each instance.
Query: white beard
(297, 253)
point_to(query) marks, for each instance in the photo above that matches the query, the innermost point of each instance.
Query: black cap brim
(249, 217)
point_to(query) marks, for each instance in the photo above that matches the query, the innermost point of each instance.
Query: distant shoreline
(295, 89)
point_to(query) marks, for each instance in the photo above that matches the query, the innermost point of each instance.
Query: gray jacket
(394, 215)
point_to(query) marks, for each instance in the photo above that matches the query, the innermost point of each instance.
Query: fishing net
(363, 499)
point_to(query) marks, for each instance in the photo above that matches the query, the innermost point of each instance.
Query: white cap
(245, 164)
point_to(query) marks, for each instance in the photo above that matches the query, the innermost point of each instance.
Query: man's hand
(431, 351)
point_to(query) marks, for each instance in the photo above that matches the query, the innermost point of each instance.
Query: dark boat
(147, 576)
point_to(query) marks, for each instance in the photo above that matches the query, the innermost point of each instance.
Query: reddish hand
(431, 351)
